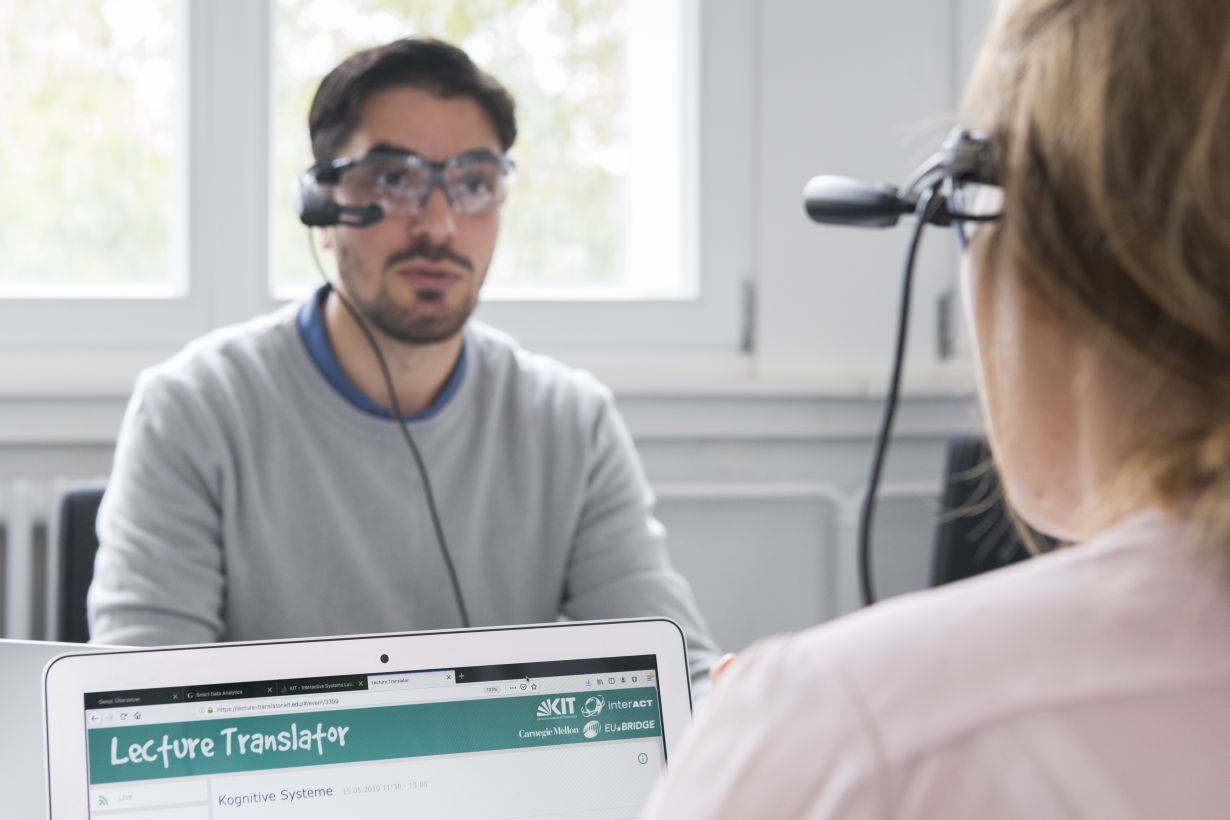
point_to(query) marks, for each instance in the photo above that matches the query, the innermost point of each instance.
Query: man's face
(416, 278)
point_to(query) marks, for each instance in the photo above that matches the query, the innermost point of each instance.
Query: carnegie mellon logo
(556, 708)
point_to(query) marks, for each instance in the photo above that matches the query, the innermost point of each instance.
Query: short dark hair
(420, 62)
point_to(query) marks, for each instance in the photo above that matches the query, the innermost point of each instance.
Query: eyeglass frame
(965, 158)
(331, 173)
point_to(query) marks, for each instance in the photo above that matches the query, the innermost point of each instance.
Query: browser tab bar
(528, 671)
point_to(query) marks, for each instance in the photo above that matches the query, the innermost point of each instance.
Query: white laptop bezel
(23, 765)
(68, 678)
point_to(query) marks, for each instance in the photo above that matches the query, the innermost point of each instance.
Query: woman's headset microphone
(955, 187)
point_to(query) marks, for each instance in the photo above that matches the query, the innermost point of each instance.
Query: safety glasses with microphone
(358, 192)
(956, 187)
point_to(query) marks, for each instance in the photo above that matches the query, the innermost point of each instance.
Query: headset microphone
(334, 214)
(836, 200)
(319, 211)
(964, 158)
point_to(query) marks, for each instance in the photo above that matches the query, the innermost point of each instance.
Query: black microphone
(837, 200)
(359, 216)
(319, 211)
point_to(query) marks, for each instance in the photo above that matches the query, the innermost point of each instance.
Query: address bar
(341, 700)
(265, 707)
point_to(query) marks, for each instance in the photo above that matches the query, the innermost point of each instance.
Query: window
(156, 144)
(88, 108)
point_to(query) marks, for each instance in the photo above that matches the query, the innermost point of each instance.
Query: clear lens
(984, 202)
(474, 186)
(403, 184)
(385, 180)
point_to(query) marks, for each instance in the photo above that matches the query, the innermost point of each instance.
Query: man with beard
(262, 487)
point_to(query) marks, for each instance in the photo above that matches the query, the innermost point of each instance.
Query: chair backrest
(975, 533)
(78, 542)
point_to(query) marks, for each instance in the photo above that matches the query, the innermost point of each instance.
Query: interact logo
(644, 703)
(556, 708)
(592, 729)
(593, 706)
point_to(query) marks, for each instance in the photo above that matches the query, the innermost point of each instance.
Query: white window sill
(112, 373)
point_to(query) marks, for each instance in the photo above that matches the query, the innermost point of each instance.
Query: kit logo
(552, 708)
(593, 706)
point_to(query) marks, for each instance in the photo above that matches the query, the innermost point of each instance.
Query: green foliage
(85, 165)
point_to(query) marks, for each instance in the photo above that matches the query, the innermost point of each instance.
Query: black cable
(928, 203)
(395, 406)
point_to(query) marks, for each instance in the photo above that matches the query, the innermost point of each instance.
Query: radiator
(28, 561)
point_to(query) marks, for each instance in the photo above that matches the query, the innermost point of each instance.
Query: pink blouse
(1089, 683)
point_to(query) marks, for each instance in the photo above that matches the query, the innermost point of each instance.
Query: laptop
(21, 715)
(566, 721)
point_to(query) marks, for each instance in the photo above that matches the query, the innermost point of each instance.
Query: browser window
(561, 739)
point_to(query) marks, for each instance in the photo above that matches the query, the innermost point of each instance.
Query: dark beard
(397, 322)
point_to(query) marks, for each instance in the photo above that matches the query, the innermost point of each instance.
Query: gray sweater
(249, 499)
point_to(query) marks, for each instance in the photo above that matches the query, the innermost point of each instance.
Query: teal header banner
(217, 746)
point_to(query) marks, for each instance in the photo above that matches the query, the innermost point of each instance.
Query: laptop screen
(558, 739)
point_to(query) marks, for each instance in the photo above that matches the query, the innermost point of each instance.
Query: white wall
(869, 90)
(758, 457)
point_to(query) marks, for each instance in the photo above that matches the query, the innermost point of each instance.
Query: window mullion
(229, 78)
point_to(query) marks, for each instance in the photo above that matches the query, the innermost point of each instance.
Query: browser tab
(390, 681)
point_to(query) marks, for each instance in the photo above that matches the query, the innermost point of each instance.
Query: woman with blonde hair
(1093, 681)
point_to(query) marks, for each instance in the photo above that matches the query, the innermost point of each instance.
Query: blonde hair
(1111, 126)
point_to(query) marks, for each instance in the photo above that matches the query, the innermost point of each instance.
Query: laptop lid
(21, 715)
(569, 720)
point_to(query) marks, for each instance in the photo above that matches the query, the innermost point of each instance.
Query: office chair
(975, 533)
(78, 541)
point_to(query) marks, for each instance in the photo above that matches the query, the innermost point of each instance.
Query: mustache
(424, 249)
